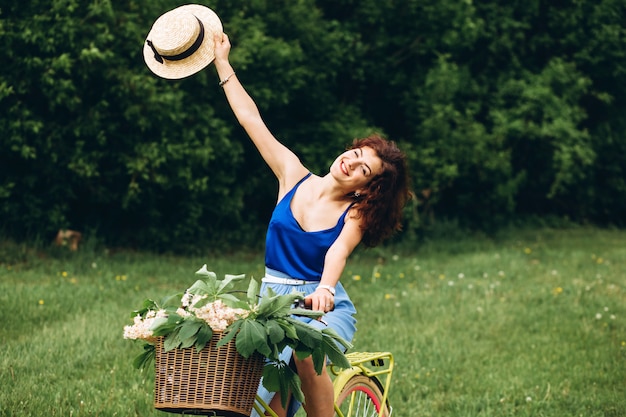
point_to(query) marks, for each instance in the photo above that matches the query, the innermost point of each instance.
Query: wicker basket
(214, 380)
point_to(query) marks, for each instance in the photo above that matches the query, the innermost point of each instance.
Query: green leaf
(201, 287)
(203, 337)
(187, 343)
(189, 328)
(148, 305)
(295, 385)
(229, 281)
(172, 300)
(144, 359)
(274, 331)
(330, 332)
(171, 341)
(333, 352)
(308, 335)
(252, 337)
(272, 376)
(253, 291)
(319, 360)
(162, 326)
(302, 351)
(306, 313)
(231, 332)
(229, 299)
(236, 303)
(286, 325)
(277, 305)
(279, 377)
(276, 349)
(203, 271)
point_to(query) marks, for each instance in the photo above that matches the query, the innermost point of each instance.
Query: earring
(357, 194)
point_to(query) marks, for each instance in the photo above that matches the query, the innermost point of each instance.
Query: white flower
(189, 300)
(218, 315)
(182, 312)
(185, 301)
(141, 327)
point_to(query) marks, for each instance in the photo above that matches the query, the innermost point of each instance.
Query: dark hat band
(186, 54)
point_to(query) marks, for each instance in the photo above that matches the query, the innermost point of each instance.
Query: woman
(317, 223)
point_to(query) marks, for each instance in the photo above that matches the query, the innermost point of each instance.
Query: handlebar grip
(304, 303)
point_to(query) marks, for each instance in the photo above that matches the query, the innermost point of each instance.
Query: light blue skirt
(341, 319)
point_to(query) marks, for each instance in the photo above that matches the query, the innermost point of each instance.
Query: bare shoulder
(293, 172)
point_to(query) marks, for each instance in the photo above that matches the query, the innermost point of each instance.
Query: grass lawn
(529, 324)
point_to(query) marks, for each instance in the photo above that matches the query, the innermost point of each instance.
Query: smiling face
(355, 168)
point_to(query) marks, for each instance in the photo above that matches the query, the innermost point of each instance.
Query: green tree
(506, 109)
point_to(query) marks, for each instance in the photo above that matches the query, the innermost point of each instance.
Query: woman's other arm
(335, 262)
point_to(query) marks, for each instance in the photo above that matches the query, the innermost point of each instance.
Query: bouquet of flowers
(263, 325)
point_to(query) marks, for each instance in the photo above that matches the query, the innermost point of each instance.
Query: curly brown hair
(380, 206)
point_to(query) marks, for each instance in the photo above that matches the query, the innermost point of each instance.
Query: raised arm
(281, 160)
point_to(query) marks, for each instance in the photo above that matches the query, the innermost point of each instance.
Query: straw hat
(180, 42)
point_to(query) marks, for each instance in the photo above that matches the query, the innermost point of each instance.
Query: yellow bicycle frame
(358, 360)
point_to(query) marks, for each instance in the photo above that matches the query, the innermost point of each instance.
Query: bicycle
(359, 391)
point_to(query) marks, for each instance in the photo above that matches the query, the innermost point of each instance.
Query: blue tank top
(292, 250)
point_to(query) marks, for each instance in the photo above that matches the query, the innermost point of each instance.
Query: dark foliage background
(508, 110)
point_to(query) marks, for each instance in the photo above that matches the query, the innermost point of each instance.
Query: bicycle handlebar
(304, 303)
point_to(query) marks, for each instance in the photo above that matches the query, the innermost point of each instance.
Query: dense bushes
(506, 109)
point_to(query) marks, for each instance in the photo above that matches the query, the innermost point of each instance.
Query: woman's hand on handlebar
(321, 300)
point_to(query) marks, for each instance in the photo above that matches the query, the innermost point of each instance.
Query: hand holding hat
(181, 42)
